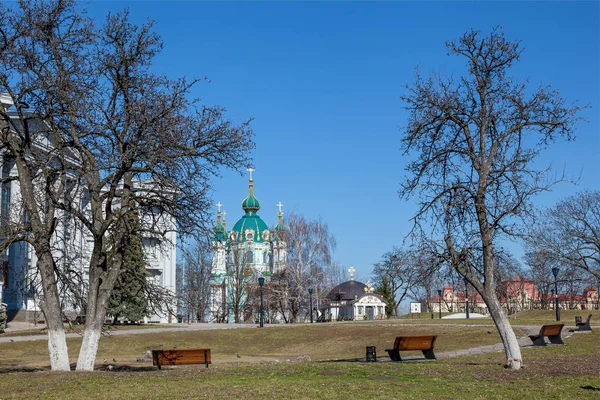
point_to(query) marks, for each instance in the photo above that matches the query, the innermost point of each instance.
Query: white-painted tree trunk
(57, 349)
(89, 348)
(507, 334)
(57, 342)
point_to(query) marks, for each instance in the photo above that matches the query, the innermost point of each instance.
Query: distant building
(21, 289)
(517, 294)
(353, 300)
(241, 256)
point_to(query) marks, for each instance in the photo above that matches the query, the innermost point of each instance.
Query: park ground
(318, 361)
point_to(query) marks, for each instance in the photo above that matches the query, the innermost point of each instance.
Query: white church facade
(242, 257)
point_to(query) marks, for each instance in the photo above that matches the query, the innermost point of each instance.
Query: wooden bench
(551, 331)
(181, 357)
(584, 326)
(405, 343)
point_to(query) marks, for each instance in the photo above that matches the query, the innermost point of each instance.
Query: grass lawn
(262, 369)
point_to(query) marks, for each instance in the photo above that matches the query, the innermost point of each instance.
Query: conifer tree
(128, 299)
(385, 291)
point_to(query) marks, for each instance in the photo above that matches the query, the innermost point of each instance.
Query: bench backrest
(588, 319)
(551, 330)
(181, 356)
(415, 342)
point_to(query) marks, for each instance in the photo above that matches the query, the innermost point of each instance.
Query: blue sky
(323, 80)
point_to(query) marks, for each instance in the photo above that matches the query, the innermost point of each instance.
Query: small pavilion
(353, 300)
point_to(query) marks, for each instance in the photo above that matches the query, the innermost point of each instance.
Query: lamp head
(261, 281)
(310, 290)
(555, 272)
(439, 292)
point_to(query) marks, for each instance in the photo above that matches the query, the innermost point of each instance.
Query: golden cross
(219, 205)
(251, 170)
(279, 205)
(351, 270)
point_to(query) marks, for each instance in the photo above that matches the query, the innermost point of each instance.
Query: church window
(265, 257)
(249, 257)
(360, 310)
(379, 310)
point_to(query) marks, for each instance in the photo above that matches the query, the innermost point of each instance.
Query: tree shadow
(592, 388)
(9, 370)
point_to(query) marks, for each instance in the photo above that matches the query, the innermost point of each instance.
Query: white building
(72, 248)
(353, 300)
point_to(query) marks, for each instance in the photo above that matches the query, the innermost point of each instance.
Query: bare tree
(241, 278)
(102, 129)
(474, 139)
(570, 232)
(309, 264)
(400, 268)
(195, 282)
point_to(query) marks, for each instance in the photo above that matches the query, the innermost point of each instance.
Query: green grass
(263, 369)
(319, 342)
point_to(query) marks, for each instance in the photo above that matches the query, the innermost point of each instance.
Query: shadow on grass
(344, 360)
(592, 388)
(10, 370)
(103, 368)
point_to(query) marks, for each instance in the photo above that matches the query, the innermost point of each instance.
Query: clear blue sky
(322, 81)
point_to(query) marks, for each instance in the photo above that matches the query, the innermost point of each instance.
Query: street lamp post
(310, 290)
(440, 302)
(467, 298)
(261, 282)
(556, 306)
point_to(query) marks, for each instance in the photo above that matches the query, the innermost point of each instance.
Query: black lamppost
(261, 282)
(467, 298)
(555, 273)
(598, 297)
(440, 302)
(310, 290)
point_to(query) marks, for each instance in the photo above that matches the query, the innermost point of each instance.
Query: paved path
(524, 341)
(140, 331)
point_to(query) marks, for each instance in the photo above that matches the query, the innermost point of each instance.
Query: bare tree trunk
(102, 280)
(57, 344)
(509, 339)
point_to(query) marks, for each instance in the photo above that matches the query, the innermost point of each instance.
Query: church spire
(279, 227)
(250, 203)
(219, 227)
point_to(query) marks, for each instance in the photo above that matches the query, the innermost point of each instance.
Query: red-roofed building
(516, 294)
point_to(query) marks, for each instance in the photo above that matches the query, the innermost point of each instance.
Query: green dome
(279, 228)
(250, 203)
(250, 221)
(220, 231)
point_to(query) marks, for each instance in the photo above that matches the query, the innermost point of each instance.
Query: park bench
(551, 331)
(583, 326)
(181, 357)
(405, 343)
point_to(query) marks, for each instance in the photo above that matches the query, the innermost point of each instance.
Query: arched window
(249, 257)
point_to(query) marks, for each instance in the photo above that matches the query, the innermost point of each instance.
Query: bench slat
(417, 342)
(181, 356)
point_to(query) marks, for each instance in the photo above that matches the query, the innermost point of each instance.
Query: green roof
(250, 221)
